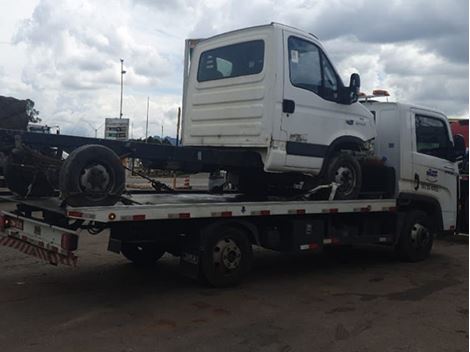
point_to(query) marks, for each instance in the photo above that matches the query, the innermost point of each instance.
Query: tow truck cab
(417, 142)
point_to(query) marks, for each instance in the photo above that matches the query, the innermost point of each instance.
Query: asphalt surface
(359, 300)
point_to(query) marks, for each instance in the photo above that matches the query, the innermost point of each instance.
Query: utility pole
(147, 124)
(122, 76)
(162, 130)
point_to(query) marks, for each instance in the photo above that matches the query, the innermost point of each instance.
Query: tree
(31, 112)
(15, 114)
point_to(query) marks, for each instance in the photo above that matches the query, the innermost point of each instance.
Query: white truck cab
(272, 89)
(418, 144)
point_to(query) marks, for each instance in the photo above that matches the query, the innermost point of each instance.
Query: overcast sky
(65, 54)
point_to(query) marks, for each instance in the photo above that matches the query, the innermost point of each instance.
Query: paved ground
(362, 301)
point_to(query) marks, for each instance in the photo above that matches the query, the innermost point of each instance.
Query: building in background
(117, 129)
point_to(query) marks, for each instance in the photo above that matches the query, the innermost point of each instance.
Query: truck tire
(142, 254)
(416, 237)
(26, 181)
(226, 256)
(345, 170)
(92, 175)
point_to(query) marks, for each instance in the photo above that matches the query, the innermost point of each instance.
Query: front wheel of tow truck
(344, 170)
(226, 257)
(142, 253)
(416, 237)
(92, 175)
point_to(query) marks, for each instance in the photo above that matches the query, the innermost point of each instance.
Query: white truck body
(416, 142)
(237, 88)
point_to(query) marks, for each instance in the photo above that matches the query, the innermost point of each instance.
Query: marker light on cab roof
(380, 93)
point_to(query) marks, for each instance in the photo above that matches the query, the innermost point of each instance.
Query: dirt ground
(360, 300)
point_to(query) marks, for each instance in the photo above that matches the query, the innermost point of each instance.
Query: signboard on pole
(117, 129)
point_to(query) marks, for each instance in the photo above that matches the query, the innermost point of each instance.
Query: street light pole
(147, 124)
(122, 76)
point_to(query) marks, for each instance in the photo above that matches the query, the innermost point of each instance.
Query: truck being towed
(408, 173)
(264, 104)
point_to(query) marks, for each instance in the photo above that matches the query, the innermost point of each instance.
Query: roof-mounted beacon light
(380, 93)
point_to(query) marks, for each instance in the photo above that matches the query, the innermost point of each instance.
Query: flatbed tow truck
(213, 234)
(401, 196)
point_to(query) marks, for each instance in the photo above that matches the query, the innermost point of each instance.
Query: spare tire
(92, 175)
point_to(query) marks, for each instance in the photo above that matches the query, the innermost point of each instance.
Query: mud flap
(190, 262)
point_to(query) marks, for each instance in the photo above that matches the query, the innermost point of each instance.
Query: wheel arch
(250, 229)
(343, 142)
(429, 205)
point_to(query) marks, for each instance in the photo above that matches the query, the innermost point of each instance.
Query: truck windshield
(234, 60)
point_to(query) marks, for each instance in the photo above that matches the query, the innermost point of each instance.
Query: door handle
(349, 122)
(416, 182)
(288, 106)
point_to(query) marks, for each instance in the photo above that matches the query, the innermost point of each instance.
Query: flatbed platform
(202, 205)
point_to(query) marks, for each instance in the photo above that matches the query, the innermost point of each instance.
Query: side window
(304, 64)
(241, 59)
(310, 69)
(431, 137)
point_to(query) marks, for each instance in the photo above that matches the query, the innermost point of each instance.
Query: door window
(310, 69)
(432, 137)
(304, 64)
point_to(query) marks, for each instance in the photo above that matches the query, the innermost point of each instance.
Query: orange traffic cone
(186, 184)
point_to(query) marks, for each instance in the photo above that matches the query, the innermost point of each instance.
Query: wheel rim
(420, 236)
(226, 255)
(95, 180)
(345, 176)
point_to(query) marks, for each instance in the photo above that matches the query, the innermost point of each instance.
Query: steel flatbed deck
(203, 205)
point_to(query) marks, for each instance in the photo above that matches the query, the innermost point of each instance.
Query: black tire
(25, 180)
(344, 169)
(416, 238)
(142, 254)
(92, 175)
(226, 257)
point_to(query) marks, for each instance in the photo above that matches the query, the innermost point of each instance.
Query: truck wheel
(24, 180)
(226, 257)
(142, 254)
(416, 237)
(345, 170)
(92, 175)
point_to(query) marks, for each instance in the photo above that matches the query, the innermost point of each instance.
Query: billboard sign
(117, 129)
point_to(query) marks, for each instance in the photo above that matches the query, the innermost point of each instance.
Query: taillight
(69, 241)
(4, 222)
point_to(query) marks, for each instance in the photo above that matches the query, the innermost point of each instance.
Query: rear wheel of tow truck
(416, 237)
(142, 253)
(345, 170)
(92, 175)
(23, 179)
(226, 257)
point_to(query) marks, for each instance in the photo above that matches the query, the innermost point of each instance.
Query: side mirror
(459, 145)
(354, 87)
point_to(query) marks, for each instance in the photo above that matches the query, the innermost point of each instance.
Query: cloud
(70, 52)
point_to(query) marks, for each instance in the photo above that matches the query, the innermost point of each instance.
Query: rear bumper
(52, 244)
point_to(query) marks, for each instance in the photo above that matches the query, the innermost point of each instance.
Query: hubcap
(227, 255)
(95, 179)
(346, 178)
(420, 236)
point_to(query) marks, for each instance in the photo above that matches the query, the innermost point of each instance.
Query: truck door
(313, 118)
(435, 175)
